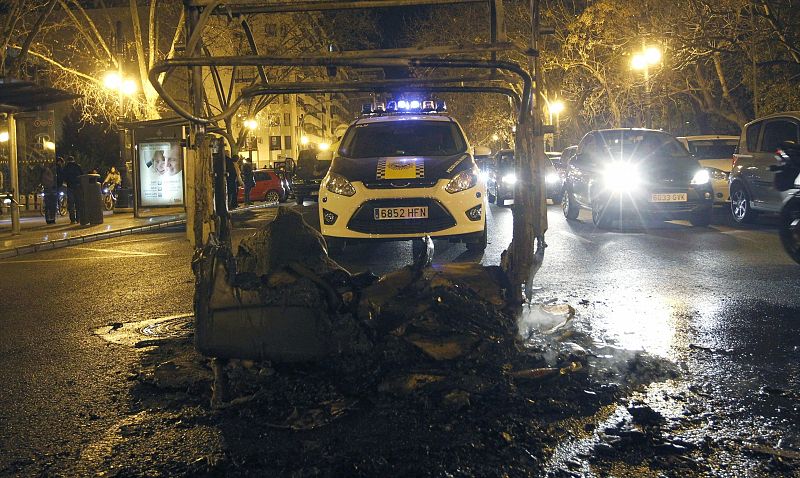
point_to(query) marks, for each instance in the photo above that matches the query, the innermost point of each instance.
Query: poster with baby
(161, 173)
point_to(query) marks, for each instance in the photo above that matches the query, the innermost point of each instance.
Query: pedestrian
(50, 189)
(249, 180)
(233, 180)
(72, 172)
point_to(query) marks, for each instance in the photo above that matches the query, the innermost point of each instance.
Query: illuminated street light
(495, 137)
(128, 87)
(49, 145)
(112, 80)
(555, 107)
(3, 136)
(304, 140)
(324, 146)
(250, 124)
(642, 61)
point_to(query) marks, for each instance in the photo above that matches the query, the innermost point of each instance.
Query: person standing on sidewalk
(234, 179)
(48, 179)
(249, 180)
(72, 173)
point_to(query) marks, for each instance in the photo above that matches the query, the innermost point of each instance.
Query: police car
(402, 171)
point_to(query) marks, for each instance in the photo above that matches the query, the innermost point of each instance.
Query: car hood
(721, 164)
(389, 168)
(670, 168)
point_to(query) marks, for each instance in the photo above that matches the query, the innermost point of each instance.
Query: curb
(99, 236)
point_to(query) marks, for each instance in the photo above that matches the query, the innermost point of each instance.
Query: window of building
(287, 142)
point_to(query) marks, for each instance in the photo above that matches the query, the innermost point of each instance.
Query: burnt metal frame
(520, 260)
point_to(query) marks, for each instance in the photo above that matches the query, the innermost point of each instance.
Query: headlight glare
(701, 177)
(621, 176)
(338, 184)
(462, 181)
(552, 178)
(510, 178)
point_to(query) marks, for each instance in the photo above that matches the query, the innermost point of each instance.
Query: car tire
(335, 244)
(701, 217)
(741, 211)
(480, 244)
(789, 230)
(570, 208)
(299, 200)
(272, 196)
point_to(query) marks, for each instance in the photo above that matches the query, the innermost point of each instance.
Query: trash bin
(91, 203)
(124, 200)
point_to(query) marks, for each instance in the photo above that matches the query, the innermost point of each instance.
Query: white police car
(401, 172)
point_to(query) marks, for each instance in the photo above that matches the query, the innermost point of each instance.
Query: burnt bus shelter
(22, 97)
(467, 69)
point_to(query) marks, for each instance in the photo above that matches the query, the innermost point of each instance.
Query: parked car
(501, 178)
(623, 172)
(715, 153)
(312, 166)
(751, 180)
(268, 187)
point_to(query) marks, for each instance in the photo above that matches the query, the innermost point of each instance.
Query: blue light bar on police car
(391, 106)
(402, 105)
(428, 105)
(414, 105)
(441, 106)
(379, 108)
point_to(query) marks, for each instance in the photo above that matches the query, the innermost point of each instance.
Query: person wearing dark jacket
(50, 190)
(71, 174)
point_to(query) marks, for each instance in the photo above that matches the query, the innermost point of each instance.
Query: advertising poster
(161, 173)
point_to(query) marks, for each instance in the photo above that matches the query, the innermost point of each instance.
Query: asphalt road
(721, 301)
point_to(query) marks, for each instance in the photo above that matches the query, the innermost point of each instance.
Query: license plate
(386, 213)
(669, 197)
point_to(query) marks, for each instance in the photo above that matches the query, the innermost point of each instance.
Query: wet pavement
(720, 303)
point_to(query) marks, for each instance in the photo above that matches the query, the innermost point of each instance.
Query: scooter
(787, 173)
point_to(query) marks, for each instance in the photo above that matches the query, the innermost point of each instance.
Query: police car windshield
(403, 138)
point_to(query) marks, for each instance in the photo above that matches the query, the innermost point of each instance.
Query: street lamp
(304, 140)
(251, 125)
(642, 61)
(556, 108)
(3, 136)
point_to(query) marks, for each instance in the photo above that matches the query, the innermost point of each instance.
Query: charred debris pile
(428, 361)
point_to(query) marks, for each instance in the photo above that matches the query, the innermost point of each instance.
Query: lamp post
(556, 108)
(251, 125)
(642, 61)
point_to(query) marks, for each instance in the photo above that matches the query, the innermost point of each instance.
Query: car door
(776, 131)
(580, 170)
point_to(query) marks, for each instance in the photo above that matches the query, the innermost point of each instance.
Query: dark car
(636, 172)
(269, 187)
(501, 179)
(309, 174)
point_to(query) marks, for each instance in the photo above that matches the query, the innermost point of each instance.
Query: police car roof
(383, 118)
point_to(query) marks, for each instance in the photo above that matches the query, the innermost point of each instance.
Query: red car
(268, 187)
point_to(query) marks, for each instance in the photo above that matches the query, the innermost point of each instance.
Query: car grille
(400, 183)
(438, 218)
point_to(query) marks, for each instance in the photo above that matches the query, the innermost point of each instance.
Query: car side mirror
(325, 155)
(481, 151)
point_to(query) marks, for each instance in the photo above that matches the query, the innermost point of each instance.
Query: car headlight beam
(701, 177)
(462, 181)
(509, 178)
(621, 176)
(338, 184)
(552, 178)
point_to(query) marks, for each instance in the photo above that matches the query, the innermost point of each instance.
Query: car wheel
(740, 205)
(701, 218)
(299, 200)
(480, 244)
(789, 230)
(335, 244)
(272, 196)
(569, 206)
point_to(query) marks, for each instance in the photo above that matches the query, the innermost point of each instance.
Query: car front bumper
(641, 203)
(447, 213)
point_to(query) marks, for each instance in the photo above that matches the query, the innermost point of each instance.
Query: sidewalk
(36, 235)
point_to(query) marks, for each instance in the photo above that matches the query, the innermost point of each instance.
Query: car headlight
(462, 181)
(338, 184)
(621, 176)
(552, 178)
(510, 178)
(701, 177)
